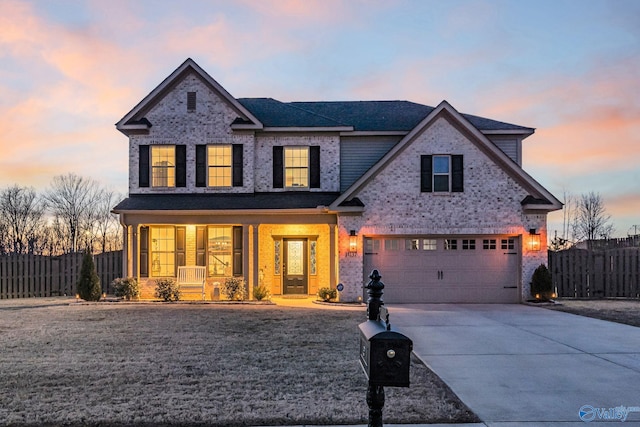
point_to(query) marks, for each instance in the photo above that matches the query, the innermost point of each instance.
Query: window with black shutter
(314, 167)
(237, 158)
(144, 251)
(237, 251)
(441, 173)
(181, 165)
(278, 167)
(201, 165)
(143, 166)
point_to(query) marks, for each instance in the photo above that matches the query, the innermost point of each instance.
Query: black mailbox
(385, 354)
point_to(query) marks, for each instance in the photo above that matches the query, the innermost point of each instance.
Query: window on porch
(163, 247)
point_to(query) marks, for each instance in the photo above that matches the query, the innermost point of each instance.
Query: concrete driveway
(517, 365)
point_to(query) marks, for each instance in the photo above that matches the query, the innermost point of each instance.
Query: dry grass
(620, 311)
(191, 364)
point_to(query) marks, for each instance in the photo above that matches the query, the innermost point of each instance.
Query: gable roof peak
(125, 124)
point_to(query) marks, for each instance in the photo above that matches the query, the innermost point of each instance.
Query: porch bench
(192, 279)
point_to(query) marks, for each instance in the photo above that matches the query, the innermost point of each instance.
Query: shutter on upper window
(201, 165)
(457, 174)
(236, 172)
(278, 167)
(143, 166)
(181, 165)
(426, 178)
(144, 251)
(314, 167)
(237, 251)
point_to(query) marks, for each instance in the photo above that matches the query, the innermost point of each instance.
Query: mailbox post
(385, 354)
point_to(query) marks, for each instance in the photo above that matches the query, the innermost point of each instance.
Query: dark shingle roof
(178, 202)
(362, 115)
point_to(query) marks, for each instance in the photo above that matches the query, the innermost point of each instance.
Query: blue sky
(570, 69)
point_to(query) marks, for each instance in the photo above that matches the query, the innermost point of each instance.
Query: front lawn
(193, 364)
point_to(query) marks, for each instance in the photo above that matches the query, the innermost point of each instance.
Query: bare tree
(566, 239)
(22, 215)
(591, 221)
(106, 223)
(72, 200)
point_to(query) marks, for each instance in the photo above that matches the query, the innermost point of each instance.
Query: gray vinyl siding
(358, 154)
(510, 145)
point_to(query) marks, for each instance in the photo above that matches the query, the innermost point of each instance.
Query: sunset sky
(569, 68)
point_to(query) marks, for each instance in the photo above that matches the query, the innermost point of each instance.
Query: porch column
(256, 257)
(126, 251)
(247, 253)
(332, 256)
(135, 251)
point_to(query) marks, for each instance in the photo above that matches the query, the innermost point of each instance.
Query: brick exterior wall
(210, 123)
(329, 159)
(394, 205)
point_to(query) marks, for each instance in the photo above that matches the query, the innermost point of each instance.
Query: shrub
(234, 289)
(167, 289)
(261, 292)
(541, 283)
(327, 294)
(127, 288)
(89, 284)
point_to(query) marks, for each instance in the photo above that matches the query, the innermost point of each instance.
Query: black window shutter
(201, 246)
(278, 167)
(201, 165)
(457, 174)
(314, 166)
(237, 251)
(181, 165)
(426, 180)
(181, 246)
(144, 251)
(236, 172)
(143, 166)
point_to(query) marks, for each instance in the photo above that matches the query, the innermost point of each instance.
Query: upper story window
(296, 167)
(219, 165)
(441, 174)
(163, 166)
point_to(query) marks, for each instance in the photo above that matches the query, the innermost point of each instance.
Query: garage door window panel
(469, 244)
(489, 244)
(392, 245)
(507, 244)
(429, 244)
(450, 244)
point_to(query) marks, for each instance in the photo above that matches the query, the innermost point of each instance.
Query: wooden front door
(295, 266)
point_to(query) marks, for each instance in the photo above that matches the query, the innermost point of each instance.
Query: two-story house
(302, 195)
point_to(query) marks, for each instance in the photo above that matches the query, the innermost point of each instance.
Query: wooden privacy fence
(25, 276)
(600, 273)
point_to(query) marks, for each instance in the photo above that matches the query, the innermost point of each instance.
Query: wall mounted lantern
(534, 240)
(353, 243)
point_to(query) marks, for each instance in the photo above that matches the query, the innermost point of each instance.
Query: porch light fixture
(534, 240)
(353, 243)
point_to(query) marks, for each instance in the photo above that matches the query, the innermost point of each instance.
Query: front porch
(286, 257)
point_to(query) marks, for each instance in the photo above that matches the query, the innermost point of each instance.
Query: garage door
(460, 269)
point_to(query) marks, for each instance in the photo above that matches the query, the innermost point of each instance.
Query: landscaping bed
(196, 364)
(614, 310)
